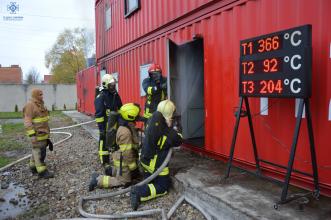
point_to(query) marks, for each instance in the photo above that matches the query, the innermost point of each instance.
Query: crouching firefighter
(125, 158)
(106, 104)
(159, 138)
(36, 125)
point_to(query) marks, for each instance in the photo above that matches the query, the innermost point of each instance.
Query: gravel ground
(73, 162)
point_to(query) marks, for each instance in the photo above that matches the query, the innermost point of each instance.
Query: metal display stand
(289, 169)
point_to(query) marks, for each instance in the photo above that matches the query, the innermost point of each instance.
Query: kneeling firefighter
(125, 158)
(159, 138)
(36, 125)
(106, 104)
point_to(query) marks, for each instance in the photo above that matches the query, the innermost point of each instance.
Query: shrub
(16, 108)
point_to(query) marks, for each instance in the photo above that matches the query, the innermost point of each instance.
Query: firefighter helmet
(107, 79)
(130, 111)
(155, 70)
(167, 109)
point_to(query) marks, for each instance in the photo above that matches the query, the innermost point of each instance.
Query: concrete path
(242, 196)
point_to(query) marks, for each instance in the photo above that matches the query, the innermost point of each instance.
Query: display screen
(277, 64)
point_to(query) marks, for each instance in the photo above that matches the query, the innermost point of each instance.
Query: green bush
(16, 108)
(53, 107)
(64, 107)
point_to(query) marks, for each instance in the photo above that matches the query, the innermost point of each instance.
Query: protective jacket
(104, 103)
(36, 119)
(155, 94)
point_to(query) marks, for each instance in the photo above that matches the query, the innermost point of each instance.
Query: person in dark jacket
(159, 138)
(155, 87)
(106, 102)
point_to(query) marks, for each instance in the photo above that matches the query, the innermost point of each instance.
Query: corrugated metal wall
(86, 83)
(152, 15)
(222, 27)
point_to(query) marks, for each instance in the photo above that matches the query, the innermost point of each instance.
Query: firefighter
(36, 125)
(125, 158)
(159, 138)
(106, 102)
(155, 86)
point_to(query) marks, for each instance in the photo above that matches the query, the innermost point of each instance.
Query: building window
(108, 17)
(130, 6)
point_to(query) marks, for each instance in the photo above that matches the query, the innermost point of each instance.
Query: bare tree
(33, 76)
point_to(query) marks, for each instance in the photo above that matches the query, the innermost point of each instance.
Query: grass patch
(56, 114)
(13, 128)
(8, 115)
(8, 145)
(4, 161)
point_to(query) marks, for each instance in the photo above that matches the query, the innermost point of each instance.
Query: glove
(50, 144)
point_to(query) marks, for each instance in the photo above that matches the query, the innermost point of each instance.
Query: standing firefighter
(36, 124)
(159, 138)
(155, 87)
(106, 103)
(125, 158)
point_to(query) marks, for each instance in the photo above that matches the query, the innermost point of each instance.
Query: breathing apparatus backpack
(111, 129)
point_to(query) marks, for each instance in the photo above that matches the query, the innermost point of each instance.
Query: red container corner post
(199, 41)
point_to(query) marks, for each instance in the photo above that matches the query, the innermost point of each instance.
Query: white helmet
(167, 109)
(107, 79)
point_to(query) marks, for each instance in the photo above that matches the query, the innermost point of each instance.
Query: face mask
(112, 87)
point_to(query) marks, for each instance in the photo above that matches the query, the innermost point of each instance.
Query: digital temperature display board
(277, 64)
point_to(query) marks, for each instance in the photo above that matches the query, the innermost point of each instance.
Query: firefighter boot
(33, 170)
(134, 198)
(46, 174)
(108, 170)
(93, 182)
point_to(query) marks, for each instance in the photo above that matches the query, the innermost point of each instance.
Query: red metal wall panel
(151, 15)
(86, 83)
(222, 28)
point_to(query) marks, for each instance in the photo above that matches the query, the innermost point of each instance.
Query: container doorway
(186, 88)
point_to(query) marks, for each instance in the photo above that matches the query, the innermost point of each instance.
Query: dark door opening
(186, 88)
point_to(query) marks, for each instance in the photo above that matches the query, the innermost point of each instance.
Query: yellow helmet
(167, 108)
(129, 111)
(107, 79)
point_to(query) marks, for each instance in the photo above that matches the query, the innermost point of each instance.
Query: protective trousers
(103, 151)
(158, 187)
(37, 160)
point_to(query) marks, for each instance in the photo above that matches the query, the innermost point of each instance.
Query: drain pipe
(53, 131)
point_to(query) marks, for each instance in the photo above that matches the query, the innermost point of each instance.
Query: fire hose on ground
(53, 131)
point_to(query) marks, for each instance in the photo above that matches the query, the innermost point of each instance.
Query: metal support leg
(234, 138)
(312, 147)
(257, 161)
(292, 154)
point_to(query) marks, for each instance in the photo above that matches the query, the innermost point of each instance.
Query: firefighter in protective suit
(106, 102)
(155, 87)
(36, 125)
(125, 158)
(159, 138)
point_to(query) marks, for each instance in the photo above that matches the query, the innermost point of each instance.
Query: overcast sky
(25, 42)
